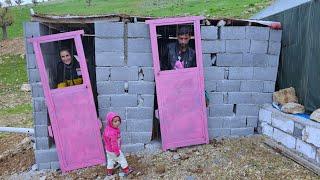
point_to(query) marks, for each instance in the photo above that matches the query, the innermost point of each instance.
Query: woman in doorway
(68, 70)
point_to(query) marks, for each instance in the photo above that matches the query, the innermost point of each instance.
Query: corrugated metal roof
(278, 6)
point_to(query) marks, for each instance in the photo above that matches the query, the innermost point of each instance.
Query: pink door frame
(50, 93)
(202, 137)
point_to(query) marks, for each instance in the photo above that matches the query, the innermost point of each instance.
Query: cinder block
(31, 29)
(41, 130)
(39, 104)
(259, 46)
(215, 97)
(138, 30)
(132, 147)
(232, 32)
(55, 165)
(257, 33)
(46, 156)
(214, 73)
(209, 32)
(240, 98)
(147, 100)
(109, 45)
(40, 118)
(139, 113)
(109, 29)
(140, 59)
(297, 131)
(124, 100)
(210, 86)
(238, 122)
(28, 47)
(269, 86)
(252, 121)
(284, 124)
(311, 135)
(33, 75)
(306, 149)
(139, 125)
(125, 138)
(207, 61)
(148, 73)
(42, 166)
(37, 90)
(265, 73)
(219, 132)
(139, 45)
(237, 46)
(141, 87)
(265, 116)
(213, 46)
(141, 137)
(124, 73)
(274, 48)
(251, 86)
(227, 59)
(266, 129)
(219, 122)
(110, 87)
(247, 110)
(273, 60)
(228, 86)
(275, 35)
(103, 73)
(110, 59)
(285, 139)
(104, 101)
(260, 60)
(221, 110)
(42, 143)
(240, 73)
(261, 98)
(247, 59)
(242, 131)
(31, 61)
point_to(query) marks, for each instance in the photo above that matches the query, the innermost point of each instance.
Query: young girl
(111, 138)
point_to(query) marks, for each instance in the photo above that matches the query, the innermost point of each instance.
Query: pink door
(180, 93)
(72, 112)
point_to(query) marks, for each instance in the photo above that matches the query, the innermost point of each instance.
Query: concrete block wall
(240, 65)
(45, 152)
(125, 79)
(296, 133)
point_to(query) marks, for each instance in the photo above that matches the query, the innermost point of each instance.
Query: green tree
(6, 19)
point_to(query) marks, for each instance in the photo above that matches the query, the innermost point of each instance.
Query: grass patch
(13, 73)
(210, 8)
(18, 109)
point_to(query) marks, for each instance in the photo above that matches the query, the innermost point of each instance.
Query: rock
(176, 157)
(285, 96)
(43, 178)
(160, 169)
(25, 87)
(34, 167)
(189, 178)
(315, 115)
(292, 108)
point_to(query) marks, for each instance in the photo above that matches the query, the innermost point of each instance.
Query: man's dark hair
(65, 49)
(184, 30)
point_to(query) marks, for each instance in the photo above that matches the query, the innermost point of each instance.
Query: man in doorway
(179, 55)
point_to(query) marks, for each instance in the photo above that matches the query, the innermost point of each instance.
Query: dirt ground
(241, 158)
(12, 46)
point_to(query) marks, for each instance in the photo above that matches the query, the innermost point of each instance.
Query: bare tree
(18, 2)
(8, 2)
(88, 2)
(6, 20)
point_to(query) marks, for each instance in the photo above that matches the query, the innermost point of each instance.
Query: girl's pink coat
(111, 135)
